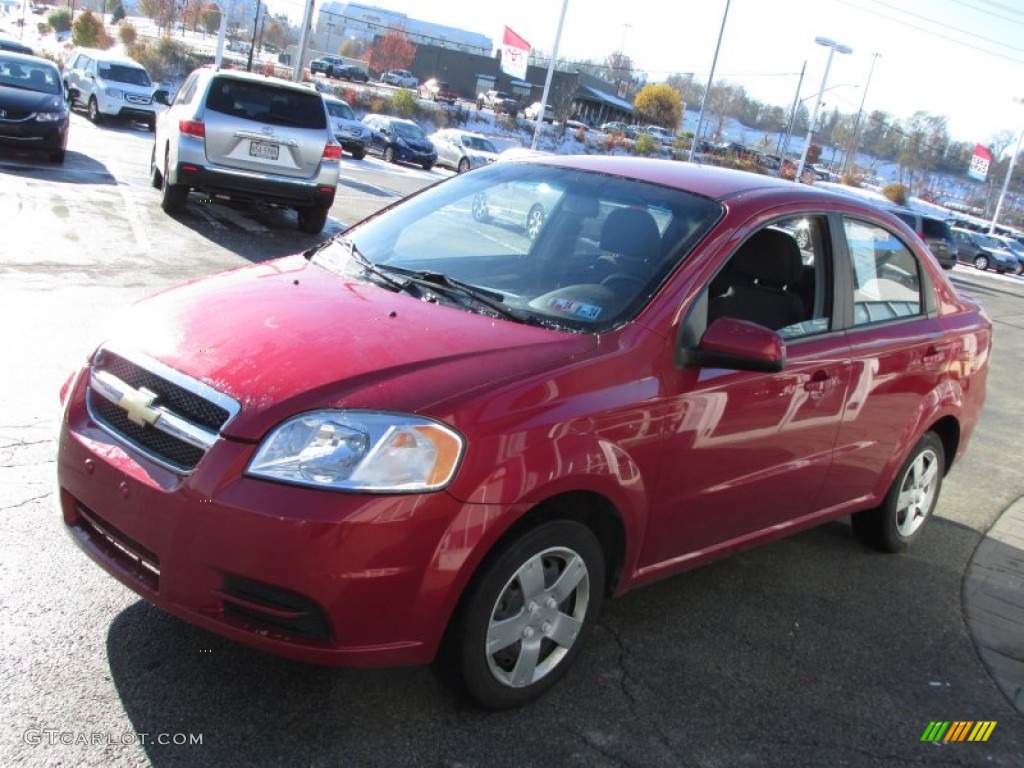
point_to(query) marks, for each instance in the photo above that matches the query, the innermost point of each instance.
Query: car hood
(344, 124)
(288, 336)
(21, 99)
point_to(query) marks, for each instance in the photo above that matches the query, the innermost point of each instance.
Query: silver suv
(245, 137)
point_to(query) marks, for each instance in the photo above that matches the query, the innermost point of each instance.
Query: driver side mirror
(738, 345)
(160, 97)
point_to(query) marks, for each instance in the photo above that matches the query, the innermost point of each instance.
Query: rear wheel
(893, 526)
(173, 197)
(480, 212)
(524, 619)
(1019, 269)
(312, 220)
(389, 155)
(981, 262)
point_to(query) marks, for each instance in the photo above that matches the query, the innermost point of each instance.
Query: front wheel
(463, 165)
(358, 154)
(893, 526)
(480, 212)
(981, 262)
(1019, 269)
(94, 111)
(524, 619)
(389, 155)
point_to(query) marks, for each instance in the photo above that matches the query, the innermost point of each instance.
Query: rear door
(262, 127)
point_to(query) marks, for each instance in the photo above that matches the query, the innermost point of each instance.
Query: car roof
(255, 77)
(26, 57)
(711, 181)
(113, 56)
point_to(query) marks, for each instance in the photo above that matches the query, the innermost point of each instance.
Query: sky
(958, 58)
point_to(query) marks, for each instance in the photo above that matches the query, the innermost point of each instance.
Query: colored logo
(958, 730)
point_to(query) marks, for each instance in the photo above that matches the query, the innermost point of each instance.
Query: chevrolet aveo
(439, 431)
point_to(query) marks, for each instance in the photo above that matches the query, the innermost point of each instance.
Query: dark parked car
(936, 233)
(400, 141)
(431, 431)
(983, 251)
(14, 46)
(33, 112)
(351, 72)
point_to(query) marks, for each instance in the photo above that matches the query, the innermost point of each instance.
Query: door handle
(820, 384)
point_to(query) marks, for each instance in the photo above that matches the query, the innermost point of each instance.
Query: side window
(886, 275)
(779, 278)
(188, 91)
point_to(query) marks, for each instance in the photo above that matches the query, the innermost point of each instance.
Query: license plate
(265, 151)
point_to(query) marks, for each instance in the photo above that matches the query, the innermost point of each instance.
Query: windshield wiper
(490, 299)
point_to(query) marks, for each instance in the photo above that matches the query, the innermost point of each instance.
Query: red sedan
(442, 428)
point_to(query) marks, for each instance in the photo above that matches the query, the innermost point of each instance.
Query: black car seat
(764, 271)
(632, 245)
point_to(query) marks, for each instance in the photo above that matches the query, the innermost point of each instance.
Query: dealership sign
(980, 161)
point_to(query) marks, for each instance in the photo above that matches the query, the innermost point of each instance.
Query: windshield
(479, 143)
(575, 250)
(30, 75)
(124, 73)
(408, 130)
(340, 109)
(987, 242)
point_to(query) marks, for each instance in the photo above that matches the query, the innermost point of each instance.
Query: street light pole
(252, 46)
(833, 46)
(854, 142)
(1009, 173)
(711, 77)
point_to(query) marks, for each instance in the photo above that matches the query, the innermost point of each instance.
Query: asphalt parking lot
(811, 651)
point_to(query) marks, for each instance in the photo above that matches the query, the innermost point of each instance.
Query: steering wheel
(623, 282)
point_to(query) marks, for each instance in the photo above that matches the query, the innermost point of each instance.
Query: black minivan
(935, 232)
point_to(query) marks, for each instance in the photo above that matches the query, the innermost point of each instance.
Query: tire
(480, 212)
(94, 111)
(312, 220)
(173, 197)
(534, 221)
(803, 239)
(156, 179)
(898, 521)
(151, 125)
(1019, 269)
(981, 262)
(463, 165)
(427, 166)
(359, 154)
(57, 156)
(388, 156)
(543, 592)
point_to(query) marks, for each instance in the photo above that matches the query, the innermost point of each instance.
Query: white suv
(247, 138)
(403, 78)
(110, 86)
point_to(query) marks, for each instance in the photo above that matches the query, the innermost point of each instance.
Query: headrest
(631, 232)
(770, 256)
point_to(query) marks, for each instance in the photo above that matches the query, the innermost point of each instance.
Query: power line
(992, 13)
(932, 33)
(945, 26)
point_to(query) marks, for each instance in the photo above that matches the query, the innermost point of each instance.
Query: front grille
(176, 452)
(273, 607)
(133, 99)
(13, 115)
(178, 396)
(131, 557)
(172, 396)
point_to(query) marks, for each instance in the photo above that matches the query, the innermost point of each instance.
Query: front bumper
(32, 134)
(407, 154)
(329, 578)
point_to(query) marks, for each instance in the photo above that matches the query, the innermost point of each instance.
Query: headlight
(50, 117)
(360, 451)
(114, 93)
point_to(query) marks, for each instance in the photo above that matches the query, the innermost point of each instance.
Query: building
(337, 21)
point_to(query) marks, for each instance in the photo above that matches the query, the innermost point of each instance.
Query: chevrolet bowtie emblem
(136, 404)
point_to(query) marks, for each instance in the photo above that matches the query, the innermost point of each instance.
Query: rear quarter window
(936, 229)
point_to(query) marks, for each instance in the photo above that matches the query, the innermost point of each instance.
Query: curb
(993, 598)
